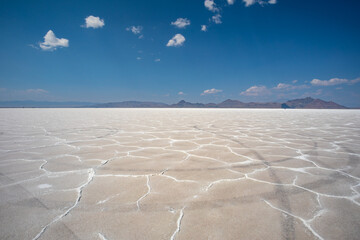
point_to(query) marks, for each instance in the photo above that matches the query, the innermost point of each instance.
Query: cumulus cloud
(255, 91)
(216, 19)
(211, 91)
(181, 23)
(177, 41)
(211, 6)
(181, 93)
(261, 2)
(203, 28)
(157, 60)
(230, 2)
(51, 42)
(334, 81)
(94, 22)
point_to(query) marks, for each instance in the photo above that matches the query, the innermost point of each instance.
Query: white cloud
(94, 22)
(230, 2)
(211, 6)
(255, 91)
(294, 81)
(217, 19)
(181, 93)
(35, 94)
(135, 30)
(211, 91)
(138, 58)
(181, 23)
(33, 46)
(333, 81)
(356, 80)
(261, 2)
(157, 60)
(249, 2)
(177, 41)
(204, 28)
(51, 42)
(284, 86)
(36, 91)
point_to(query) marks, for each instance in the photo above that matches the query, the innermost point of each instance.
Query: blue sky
(251, 50)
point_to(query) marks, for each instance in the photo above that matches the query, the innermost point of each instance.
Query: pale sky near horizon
(165, 51)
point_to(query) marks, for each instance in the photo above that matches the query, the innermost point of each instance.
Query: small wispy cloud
(93, 22)
(138, 58)
(211, 91)
(230, 2)
(51, 42)
(24, 94)
(204, 28)
(261, 2)
(181, 23)
(211, 6)
(36, 91)
(284, 86)
(33, 46)
(177, 41)
(181, 93)
(256, 91)
(137, 30)
(334, 81)
(157, 60)
(216, 19)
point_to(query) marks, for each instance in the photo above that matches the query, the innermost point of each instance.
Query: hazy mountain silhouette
(304, 103)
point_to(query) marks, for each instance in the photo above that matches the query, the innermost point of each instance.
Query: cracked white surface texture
(179, 174)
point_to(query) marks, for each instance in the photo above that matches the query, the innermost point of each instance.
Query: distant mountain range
(304, 103)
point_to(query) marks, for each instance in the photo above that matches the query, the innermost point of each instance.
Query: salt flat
(179, 174)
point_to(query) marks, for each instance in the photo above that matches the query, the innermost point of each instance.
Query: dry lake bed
(179, 174)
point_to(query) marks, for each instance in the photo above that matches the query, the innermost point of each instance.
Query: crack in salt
(79, 189)
(102, 237)
(178, 224)
(147, 193)
(305, 222)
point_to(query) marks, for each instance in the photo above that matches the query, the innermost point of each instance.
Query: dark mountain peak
(230, 101)
(312, 103)
(308, 99)
(184, 104)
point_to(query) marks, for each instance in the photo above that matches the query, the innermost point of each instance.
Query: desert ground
(179, 174)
